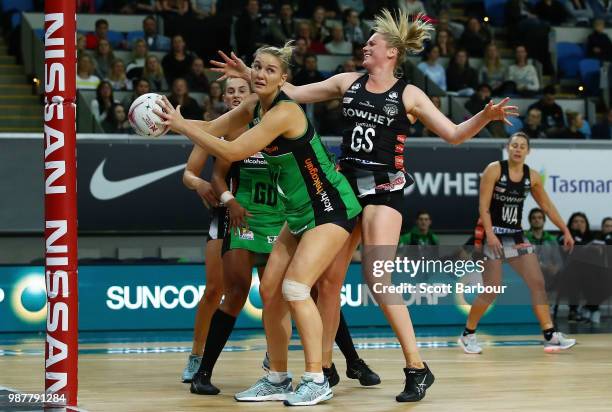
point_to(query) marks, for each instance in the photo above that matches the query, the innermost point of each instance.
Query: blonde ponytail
(401, 33)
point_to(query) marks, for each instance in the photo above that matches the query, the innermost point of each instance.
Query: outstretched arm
(329, 89)
(419, 105)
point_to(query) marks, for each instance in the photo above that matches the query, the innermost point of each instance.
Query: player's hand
(231, 67)
(172, 117)
(238, 215)
(206, 192)
(568, 241)
(495, 245)
(500, 111)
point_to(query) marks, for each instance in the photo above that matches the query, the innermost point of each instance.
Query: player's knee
(269, 294)
(213, 292)
(295, 291)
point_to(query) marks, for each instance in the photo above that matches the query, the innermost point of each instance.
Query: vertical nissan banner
(61, 346)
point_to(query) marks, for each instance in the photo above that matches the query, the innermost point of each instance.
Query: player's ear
(283, 79)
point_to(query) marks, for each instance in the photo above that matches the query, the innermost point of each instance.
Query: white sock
(277, 377)
(316, 377)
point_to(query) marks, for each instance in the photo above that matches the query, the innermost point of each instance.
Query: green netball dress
(312, 191)
(252, 187)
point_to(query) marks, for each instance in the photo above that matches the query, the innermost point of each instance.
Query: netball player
(377, 110)
(504, 185)
(320, 211)
(235, 91)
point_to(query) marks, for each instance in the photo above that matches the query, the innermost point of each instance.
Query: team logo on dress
(347, 100)
(390, 109)
(356, 86)
(393, 95)
(246, 234)
(272, 239)
(366, 104)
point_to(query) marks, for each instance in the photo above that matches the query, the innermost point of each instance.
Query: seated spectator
(203, 8)
(118, 78)
(250, 31)
(141, 7)
(347, 67)
(139, 56)
(547, 250)
(175, 14)
(155, 41)
(536, 233)
(354, 32)
(580, 11)
(141, 86)
(446, 43)
(522, 75)
(310, 73)
(103, 102)
(104, 57)
(284, 28)
(117, 122)
(598, 44)
(81, 44)
(85, 77)
(313, 46)
(86, 6)
(551, 11)
(552, 114)
(603, 130)
(444, 23)
(190, 109)
(196, 79)
(421, 233)
(318, 29)
(213, 103)
(492, 71)
(479, 100)
(177, 63)
(460, 77)
(154, 74)
(372, 7)
(475, 37)
(357, 5)
(411, 7)
(358, 56)
(338, 45)
(298, 56)
(533, 124)
(575, 121)
(101, 32)
(432, 68)
(306, 8)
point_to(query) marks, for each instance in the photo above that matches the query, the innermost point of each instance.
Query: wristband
(226, 197)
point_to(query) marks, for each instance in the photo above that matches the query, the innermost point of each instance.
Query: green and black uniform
(250, 183)
(312, 191)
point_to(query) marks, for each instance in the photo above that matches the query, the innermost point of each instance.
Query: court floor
(512, 374)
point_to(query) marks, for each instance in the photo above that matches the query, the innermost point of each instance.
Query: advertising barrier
(159, 297)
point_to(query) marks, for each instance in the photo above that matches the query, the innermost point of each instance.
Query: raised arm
(329, 89)
(547, 206)
(420, 105)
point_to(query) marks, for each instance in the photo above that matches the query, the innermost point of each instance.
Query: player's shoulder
(345, 80)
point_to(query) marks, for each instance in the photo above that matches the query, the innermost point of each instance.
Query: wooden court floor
(511, 377)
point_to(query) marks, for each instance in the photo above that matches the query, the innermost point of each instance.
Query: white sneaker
(469, 344)
(309, 393)
(596, 317)
(193, 364)
(264, 391)
(558, 342)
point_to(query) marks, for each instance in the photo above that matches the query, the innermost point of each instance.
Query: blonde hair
(281, 53)
(401, 33)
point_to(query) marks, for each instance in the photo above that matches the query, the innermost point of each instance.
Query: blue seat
(15, 20)
(16, 5)
(133, 35)
(589, 74)
(517, 125)
(495, 10)
(568, 58)
(115, 37)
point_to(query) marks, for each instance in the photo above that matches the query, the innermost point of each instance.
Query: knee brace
(293, 290)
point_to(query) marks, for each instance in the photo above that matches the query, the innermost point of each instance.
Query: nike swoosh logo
(103, 189)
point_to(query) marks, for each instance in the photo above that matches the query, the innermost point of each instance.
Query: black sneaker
(200, 384)
(332, 375)
(360, 370)
(417, 381)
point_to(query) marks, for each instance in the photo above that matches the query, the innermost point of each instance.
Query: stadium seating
(589, 74)
(495, 11)
(568, 58)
